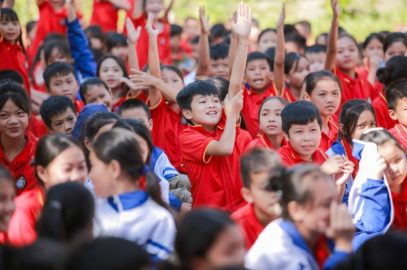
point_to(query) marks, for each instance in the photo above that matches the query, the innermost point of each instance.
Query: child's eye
(70, 119)
(58, 124)
(21, 113)
(3, 115)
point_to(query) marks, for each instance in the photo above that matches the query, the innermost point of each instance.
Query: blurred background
(358, 17)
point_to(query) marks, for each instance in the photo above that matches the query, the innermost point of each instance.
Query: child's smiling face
(205, 111)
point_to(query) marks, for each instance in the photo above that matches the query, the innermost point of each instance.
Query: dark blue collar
(128, 200)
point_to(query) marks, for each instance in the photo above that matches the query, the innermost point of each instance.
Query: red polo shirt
(262, 141)
(354, 88)
(400, 133)
(287, 95)
(291, 158)
(249, 224)
(215, 180)
(251, 105)
(167, 127)
(20, 168)
(105, 15)
(400, 208)
(381, 109)
(12, 57)
(328, 139)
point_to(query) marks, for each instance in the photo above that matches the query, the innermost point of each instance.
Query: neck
(351, 73)
(263, 218)
(124, 185)
(396, 189)
(325, 121)
(309, 237)
(275, 140)
(12, 146)
(306, 158)
(296, 92)
(209, 128)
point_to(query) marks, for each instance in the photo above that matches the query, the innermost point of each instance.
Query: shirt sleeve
(194, 146)
(161, 243)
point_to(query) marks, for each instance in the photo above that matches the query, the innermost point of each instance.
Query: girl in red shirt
(7, 206)
(12, 52)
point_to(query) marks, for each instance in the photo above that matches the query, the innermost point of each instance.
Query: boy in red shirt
(259, 86)
(260, 191)
(396, 96)
(59, 115)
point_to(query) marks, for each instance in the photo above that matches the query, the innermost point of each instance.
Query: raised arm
(168, 9)
(132, 38)
(242, 29)
(233, 42)
(203, 51)
(280, 54)
(153, 60)
(333, 37)
(138, 9)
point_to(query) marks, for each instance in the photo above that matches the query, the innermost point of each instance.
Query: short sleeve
(194, 145)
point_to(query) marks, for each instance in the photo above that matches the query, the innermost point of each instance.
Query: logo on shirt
(21, 183)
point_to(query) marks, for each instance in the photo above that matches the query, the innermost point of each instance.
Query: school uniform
(105, 15)
(328, 139)
(400, 134)
(13, 57)
(167, 127)
(249, 224)
(287, 95)
(400, 208)
(261, 141)
(280, 246)
(20, 168)
(352, 88)
(291, 158)
(381, 109)
(215, 180)
(136, 217)
(251, 104)
(163, 39)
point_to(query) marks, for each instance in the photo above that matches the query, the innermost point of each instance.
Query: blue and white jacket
(136, 217)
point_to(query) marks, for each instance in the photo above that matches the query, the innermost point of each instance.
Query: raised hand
(203, 20)
(143, 79)
(149, 26)
(243, 23)
(335, 8)
(132, 34)
(281, 19)
(233, 105)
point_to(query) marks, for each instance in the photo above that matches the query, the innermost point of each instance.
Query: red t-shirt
(13, 57)
(353, 88)
(21, 230)
(291, 158)
(215, 180)
(79, 106)
(328, 139)
(262, 141)
(381, 109)
(249, 224)
(251, 106)
(163, 40)
(37, 127)
(400, 208)
(167, 127)
(400, 134)
(20, 168)
(105, 15)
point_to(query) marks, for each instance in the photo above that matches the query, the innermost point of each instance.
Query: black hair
(218, 30)
(299, 113)
(296, 38)
(49, 147)
(61, 45)
(393, 38)
(95, 122)
(222, 85)
(176, 30)
(30, 26)
(89, 82)
(393, 71)
(349, 117)
(258, 56)
(289, 28)
(313, 78)
(279, 98)
(291, 61)
(140, 129)
(95, 31)
(116, 144)
(381, 137)
(204, 88)
(372, 36)
(118, 60)
(108, 253)
(219, 51)
(134, 103)
(16, 93)
(53, 36)
(114, 39)
(8, 14)
(255, 161)
(395, 92)
(298, 183)
(264, 32)
(67, 213)
(316, 49)
(55, 105)
(57, 69)
(11, 75)
(271, 53)
(173, 69)
(198, 231)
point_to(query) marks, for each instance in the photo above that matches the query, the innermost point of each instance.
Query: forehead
(273, 104)
(63, 114)
(9, 105)
(310, 124)
(323, 189)
(96, 87)
(366, 115)
(257, 62)
(199, 96)
(389, 150)
(109, 62)
(401, 102)
(346, 42)
(268, 35)
(326, 84)
(316, 56)
(169, 73)
(137, 112)
(59, 76)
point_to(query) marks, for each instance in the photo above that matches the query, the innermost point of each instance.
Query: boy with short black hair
(95, 90)
(138, 110)
(396, 97)
(58, 114)
(219, 62)
(60, 80)
(316, 55)
(260, 191)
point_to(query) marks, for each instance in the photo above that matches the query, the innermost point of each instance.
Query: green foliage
(359, 17)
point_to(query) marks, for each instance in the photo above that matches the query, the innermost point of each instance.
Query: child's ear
(88, 144)
(115, 169)
(187, 113)
(306, 96)
(393, 115)
(247, 195)
(296, 211)
(41, 172)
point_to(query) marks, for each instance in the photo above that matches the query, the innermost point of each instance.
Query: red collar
(262, 137)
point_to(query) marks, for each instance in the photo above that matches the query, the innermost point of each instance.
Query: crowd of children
(198, 147)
